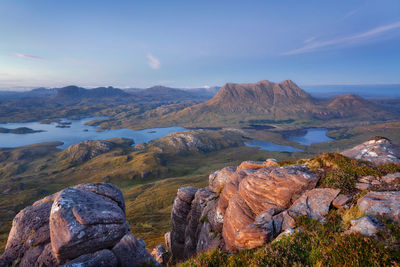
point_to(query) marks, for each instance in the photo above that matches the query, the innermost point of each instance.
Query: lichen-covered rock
(180, 210)
(314, 203)
(131, 252)
(378, 151)
(274, 189)
(207, 238)
(100, 258)
(29, 234)
(76, 227)
(385, 204)
(366, 225)
(82, 222)
(216, 180)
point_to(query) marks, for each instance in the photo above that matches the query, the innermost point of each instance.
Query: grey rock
(366, 225)
(98, 259)
(160, 255)
(131, 252)
(82, 222)
(391, 178)
(385, 204)
(377, 150)
(315, 203)
(363, 186)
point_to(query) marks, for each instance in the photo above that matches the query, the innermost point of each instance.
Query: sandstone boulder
(378, 150)
(391, 178)
(315, 203)
(29, 234)
(271, 189)
(82, 222)
(216, 180)
(385, 204)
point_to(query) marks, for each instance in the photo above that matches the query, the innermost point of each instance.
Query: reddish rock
(378, 151)
(341, 200)
(283, 221)
(100, 258)
(82, 222)
(131, 252)
(315, 203)
(255, 165)
(216, 180)
(271, 189)
(385, 204)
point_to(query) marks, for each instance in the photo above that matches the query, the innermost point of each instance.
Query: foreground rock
(366, 225)
(378, 151)
(384, 204)
(77, 227)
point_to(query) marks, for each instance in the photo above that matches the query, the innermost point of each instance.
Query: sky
(197, 43)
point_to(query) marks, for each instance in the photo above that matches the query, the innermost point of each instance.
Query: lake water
(313, 135)
(271, 146)
(77, 132)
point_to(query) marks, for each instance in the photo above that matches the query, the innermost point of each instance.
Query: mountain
(99, 92)
(34, 93)
(269, 101)
(206, 91)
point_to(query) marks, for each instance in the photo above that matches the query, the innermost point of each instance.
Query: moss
(204, 219)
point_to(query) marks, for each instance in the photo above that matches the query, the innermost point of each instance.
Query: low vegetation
(316, 244)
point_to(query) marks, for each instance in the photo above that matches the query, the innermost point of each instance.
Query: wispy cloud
(344, 41)
(29, 56)
(153, 62)
(350, 14)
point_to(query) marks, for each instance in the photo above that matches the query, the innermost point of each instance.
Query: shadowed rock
(160, 254)
(100, 258)
(216, 180)
(180, 211)
(131, 252)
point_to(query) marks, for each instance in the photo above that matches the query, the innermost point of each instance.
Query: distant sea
(367, 91)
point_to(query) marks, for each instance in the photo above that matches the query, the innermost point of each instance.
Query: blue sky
(198, 43)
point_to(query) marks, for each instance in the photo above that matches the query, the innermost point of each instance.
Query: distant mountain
(206, 91)
(35, 93)
(268, 101)
(100, 92)
(159, 92)
(364, 90)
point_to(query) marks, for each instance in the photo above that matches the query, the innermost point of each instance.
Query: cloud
(29, 56)
(350, 14)
(344, 41)
(309, 40)
(153, 62)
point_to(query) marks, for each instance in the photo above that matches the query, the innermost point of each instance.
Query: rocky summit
(250, 205)
(83, 225)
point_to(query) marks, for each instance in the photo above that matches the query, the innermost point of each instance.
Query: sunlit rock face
(378, 150)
